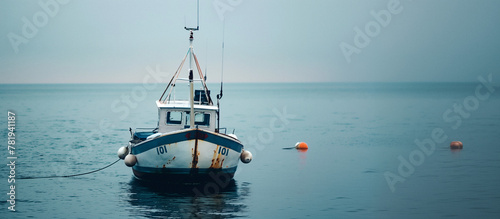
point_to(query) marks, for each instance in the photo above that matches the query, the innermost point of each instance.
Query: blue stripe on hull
(185, 136)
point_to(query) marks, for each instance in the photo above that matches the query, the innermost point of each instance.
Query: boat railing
(146, 129)
(141, 134)
(220, 130)
(225, 131)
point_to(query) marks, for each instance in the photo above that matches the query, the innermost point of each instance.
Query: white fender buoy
(122, 152)
(130, 160)
(246, 156)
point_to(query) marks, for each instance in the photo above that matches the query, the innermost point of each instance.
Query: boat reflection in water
(150, 199)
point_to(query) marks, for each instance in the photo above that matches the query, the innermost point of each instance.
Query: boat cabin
(175, 116)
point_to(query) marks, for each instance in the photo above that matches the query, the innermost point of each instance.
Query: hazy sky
(115, 41)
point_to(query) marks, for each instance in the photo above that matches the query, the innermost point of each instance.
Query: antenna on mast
(219, 96)
(197, 18)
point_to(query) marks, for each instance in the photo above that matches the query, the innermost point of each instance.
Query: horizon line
(264, 82)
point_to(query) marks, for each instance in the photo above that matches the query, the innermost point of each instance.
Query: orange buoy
(301, 145)
(456, 145)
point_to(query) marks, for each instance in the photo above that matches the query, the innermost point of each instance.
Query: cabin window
(174, 118)
(199, 119)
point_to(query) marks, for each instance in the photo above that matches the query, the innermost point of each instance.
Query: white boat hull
(187, 155)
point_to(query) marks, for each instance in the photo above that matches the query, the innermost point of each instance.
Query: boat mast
(191, 96)
(191, 54)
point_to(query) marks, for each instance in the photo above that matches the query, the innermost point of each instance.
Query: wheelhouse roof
(183, 105)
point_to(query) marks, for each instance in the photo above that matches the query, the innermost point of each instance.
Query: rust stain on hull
(217, 159)
(214, 157)
(170, 161)
(194, 163)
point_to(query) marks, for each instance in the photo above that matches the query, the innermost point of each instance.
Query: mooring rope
(79, 174)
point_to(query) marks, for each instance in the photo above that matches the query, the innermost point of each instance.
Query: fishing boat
(188, 144)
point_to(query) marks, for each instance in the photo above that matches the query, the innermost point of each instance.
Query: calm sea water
(358, 134)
